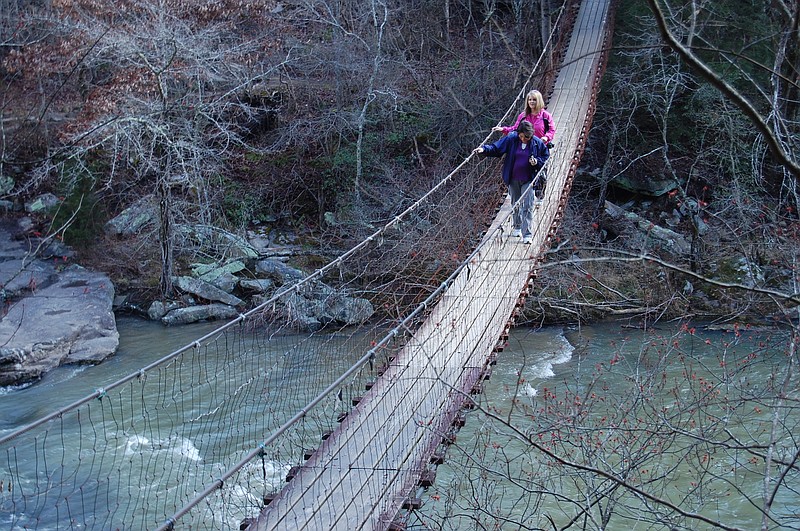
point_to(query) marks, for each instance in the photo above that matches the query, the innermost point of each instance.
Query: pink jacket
(538, 125)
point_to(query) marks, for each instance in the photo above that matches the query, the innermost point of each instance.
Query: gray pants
(523, 211)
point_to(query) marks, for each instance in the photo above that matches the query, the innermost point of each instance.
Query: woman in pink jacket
(535, 113)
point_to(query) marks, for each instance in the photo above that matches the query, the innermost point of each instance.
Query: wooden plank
(438, 348)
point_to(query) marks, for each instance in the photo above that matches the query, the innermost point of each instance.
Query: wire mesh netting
(207, 436)
(138, 450)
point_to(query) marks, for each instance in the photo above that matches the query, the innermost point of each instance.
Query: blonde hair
(539, 102)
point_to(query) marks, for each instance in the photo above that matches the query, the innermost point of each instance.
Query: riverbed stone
(193, 314)
(224, 242)
(310, 312)
(641, 233)
(207, 291)
(227, 282)
(345, 310)
(134, 218)
(224, 277)
(159, 309)
(279, 271)
(258, 285)
(22, 275)
(43, 203)
(652, 185)
(68, 321)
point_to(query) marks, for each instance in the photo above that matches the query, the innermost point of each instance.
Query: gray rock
(53, 248)
(206, 291)
(301, 312)
(6, 184)
(159, 309)
(340, 309)
(279, 271)
(223, 242)
(43, 203)
(741, 270)
(648, 185)
(259, 241)
(68, 321)
(222, 277)
(259, 285)
(225, 281)
(640, 233)
(194, 314)
(309, 313)
(134, 218)
(19, 275)
(25, 224)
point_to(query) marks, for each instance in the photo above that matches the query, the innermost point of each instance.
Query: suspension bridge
(180, 443)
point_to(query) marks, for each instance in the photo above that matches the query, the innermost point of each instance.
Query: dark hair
(525, 128)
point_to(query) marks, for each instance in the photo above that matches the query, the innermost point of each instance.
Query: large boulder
(278, 271)
(650, 185)
(640, 233)
(135, 218)
(316, 305)
(20, 275)
(68, 320)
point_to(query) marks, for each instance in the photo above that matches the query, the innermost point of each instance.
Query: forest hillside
(306, 123)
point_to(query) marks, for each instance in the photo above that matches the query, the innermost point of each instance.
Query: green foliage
(254, 157)
(242, 204)
(412, 130)
(81, 216)
(336, 173)
(416, 123)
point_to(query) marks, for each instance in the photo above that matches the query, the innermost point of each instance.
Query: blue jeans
(522, 212)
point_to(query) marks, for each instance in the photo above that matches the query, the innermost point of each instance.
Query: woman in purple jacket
(525, 156)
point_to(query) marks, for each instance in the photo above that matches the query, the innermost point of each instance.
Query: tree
(696, 164)
(782, 136)
(159, 92)
(656, 434)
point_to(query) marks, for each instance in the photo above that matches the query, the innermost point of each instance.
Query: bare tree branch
(726, 89)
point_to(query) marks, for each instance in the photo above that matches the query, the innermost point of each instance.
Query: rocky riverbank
(54, 312)
(57, 312)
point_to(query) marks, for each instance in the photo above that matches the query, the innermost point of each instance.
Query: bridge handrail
(367, 357)
(401, 328)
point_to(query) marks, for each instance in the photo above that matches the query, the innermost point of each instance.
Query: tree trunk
(165, 237)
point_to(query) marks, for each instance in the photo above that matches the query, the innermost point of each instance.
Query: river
(601, 427)
(599, 397)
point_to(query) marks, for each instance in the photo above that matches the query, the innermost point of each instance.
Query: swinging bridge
(362, 474)
(155, 449)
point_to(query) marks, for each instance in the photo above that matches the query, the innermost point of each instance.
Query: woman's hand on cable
(497, 128)
(478, 149)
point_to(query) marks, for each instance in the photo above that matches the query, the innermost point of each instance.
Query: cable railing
(153, 448)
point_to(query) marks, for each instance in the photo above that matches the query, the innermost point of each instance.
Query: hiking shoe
(538, 201)
(516, 233)
(527, 239)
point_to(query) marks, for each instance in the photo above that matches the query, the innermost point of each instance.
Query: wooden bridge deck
(362, 474)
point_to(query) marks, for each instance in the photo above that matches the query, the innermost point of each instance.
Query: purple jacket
(507, 146)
